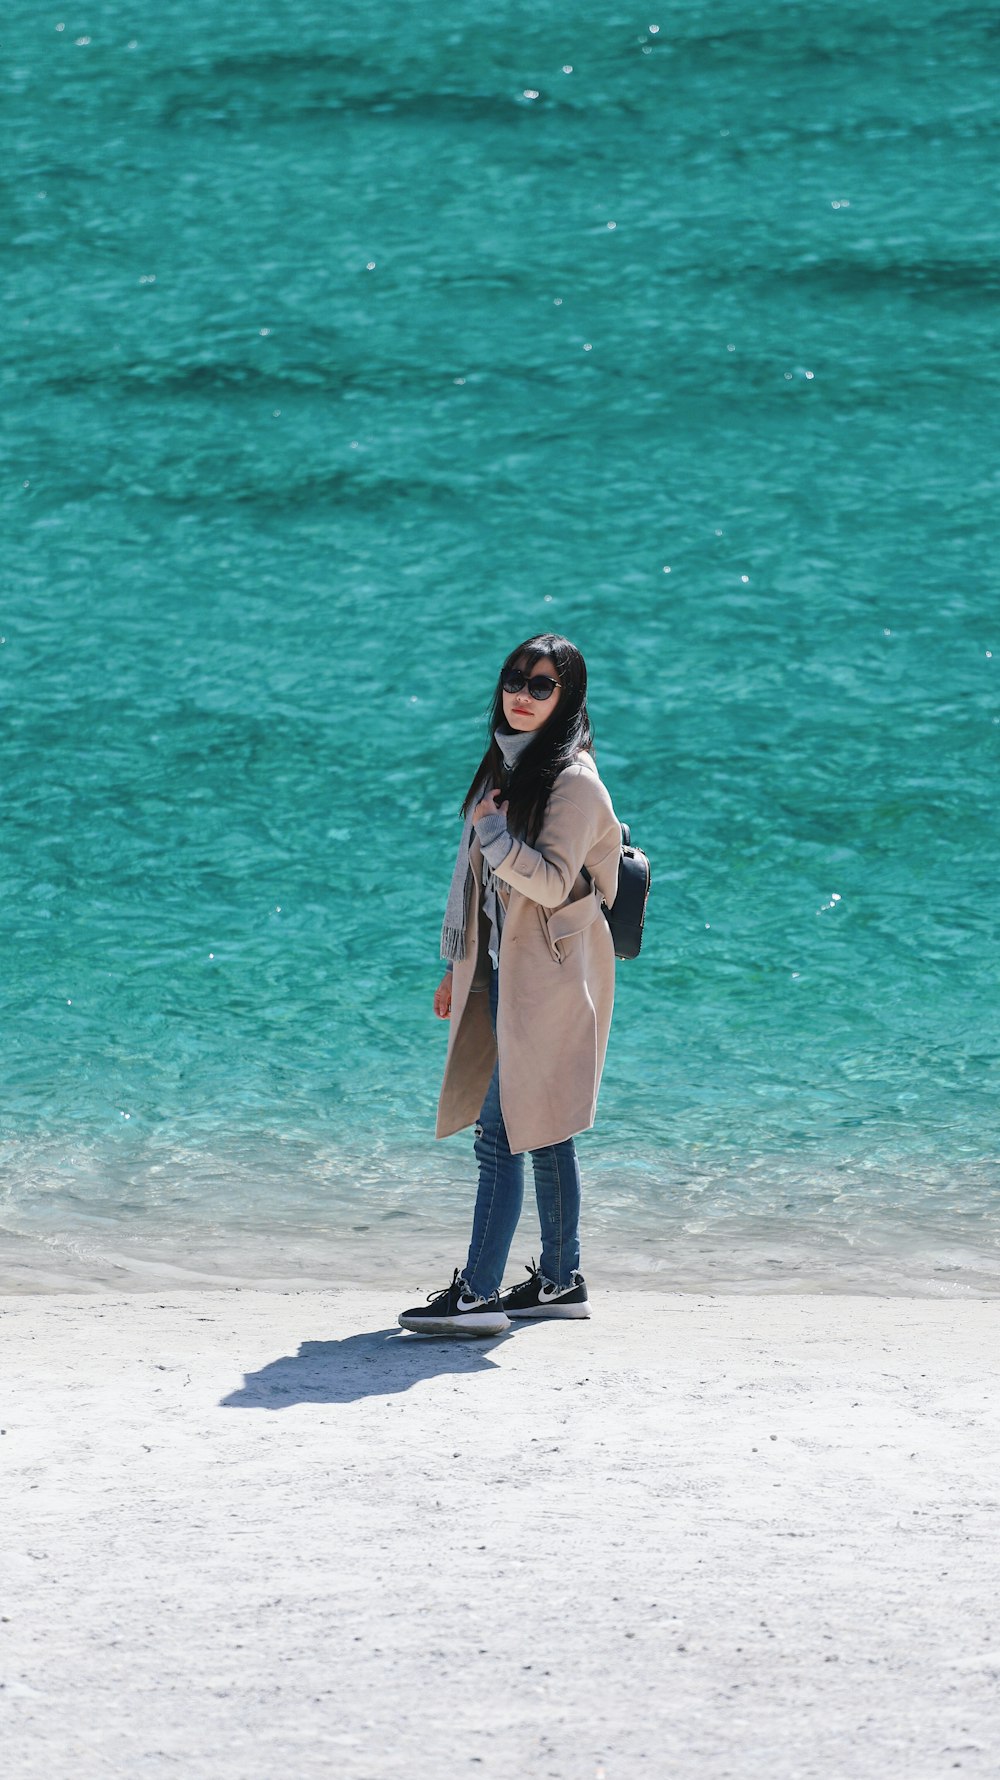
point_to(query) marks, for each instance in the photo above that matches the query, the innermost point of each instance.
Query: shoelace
(466, 1290)
(444, 1292)
(533, 1275)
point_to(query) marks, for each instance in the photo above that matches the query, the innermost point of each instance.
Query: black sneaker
(456, 1311)
(538, 1297)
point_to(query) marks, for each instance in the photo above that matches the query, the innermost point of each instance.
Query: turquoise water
(342, 351)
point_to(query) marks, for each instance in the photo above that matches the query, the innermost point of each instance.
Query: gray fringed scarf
(456, 913)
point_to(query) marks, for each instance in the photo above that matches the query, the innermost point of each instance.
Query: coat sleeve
(548, 871)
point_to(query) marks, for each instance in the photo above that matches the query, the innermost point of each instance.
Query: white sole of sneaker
(470, 1326)
(545, 1312)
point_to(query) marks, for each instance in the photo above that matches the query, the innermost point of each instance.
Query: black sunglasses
(538, 686)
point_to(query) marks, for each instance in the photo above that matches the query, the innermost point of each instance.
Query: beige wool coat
(557, 974)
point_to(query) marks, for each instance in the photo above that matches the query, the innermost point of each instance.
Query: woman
(529, 986)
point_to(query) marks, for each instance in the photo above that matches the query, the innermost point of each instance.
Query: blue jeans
(501, 1195)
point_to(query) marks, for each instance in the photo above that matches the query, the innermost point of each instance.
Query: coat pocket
(574, 917)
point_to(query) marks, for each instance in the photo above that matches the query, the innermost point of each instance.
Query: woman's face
(525, 713)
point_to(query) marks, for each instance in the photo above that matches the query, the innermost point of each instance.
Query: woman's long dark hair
(566, 733)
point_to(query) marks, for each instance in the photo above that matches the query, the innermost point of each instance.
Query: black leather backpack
(627, 913)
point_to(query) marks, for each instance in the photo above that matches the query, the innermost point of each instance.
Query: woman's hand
(442, 997)
(489, 806)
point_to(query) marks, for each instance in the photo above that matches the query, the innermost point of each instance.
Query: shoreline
(413, 1261)
(256, 1532)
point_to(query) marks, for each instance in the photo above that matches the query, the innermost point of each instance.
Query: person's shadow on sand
(377, 1363)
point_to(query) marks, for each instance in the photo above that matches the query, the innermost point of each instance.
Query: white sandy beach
(263, 1536)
